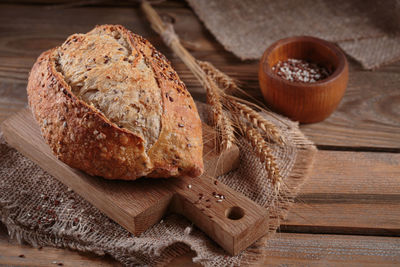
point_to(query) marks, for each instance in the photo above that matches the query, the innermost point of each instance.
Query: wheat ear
(254, 118)
(218, 118)
(225, 82)
(229, 85)
(264, 153)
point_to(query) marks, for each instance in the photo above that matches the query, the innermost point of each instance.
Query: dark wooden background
(349, 209)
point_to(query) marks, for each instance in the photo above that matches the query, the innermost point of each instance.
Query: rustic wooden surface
(348, 212)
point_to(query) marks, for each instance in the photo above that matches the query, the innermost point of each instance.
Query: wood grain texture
(353, 173)
(368, 116)
(234, 222)
(349, 192)
(304, 102)
(331, 250)
(284, 250)
(12, 99)
(13, 254)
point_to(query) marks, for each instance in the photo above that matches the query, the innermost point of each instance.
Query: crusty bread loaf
(110, 104)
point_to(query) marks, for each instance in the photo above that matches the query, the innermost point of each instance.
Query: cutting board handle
(231, 219)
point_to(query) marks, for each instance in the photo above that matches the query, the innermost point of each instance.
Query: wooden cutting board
(235, 222)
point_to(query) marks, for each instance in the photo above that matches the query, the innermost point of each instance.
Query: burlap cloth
(367, 30)
(41, 211)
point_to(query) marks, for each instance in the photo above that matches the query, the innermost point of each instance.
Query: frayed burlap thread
(38, 209)
(368, 31)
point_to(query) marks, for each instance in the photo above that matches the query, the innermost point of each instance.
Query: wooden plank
(369, 115)
(354, 173)
(284, 249)
(363, 219)
(331, 250)
(349, 192)
(323, 250)
(14, 254)
(12, 99)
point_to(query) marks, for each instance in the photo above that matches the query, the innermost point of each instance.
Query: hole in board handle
(234, 213)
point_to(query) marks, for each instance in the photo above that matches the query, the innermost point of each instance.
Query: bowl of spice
(303, 77)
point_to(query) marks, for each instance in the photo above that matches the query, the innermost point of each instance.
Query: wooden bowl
(304, 102)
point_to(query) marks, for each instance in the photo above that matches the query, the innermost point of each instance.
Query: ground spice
(298, 70)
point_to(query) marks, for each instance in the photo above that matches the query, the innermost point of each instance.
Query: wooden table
(347, 212)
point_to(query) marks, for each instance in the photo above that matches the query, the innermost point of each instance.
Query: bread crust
(82, 137)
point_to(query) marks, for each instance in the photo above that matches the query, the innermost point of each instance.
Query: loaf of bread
(110, 104)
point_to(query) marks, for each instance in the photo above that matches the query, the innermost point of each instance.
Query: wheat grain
(228, 136)
(218, 118)
(225, 82)
(254, 118)
(264, 153)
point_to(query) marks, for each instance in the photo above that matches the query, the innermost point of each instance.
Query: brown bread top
(110, 104)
